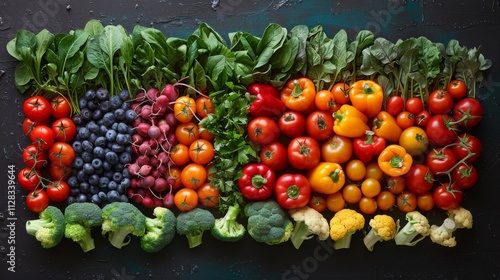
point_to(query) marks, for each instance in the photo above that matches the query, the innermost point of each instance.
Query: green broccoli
(49, 228)
(227, 228)
(268, 222)
(119, 219)
(159, 231)
(193, 224)
(80, 219)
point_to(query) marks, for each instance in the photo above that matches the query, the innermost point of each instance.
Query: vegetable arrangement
(296, 132)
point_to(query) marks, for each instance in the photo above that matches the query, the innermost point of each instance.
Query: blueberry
(90, 94)
(78, 163)
(124, 95)
(105, 106)
(95, 199)
(108, 119)
(83, 133)
(94, 189)
(110, 135)
(117, 176)
(77, 120)
(72, 182)
(87, 157)
(112, 185)
(125, 158)
(81, 198)
(119, 114)
(126, 106)
(113, 196)
(85, 114)
(92, 105)
(94, 179)
(128, 148)
(102, 94)
(88, 169)
(114, 126)
(92, 127)
(77, 146)
(82, 176)
(123, 198)
(74, 191)
(100, 142)
(112, 158)
(97, 114)
(117, 148)
(130, 115)
(84, 187)
(82, 103)
(99, 153)
(106, 166)
(103, 182)
(87, 146)
(108, 174)
(93, 136)
(98, 170)
(71, 200)
(120, 189)
(126, 173)
(118, 166)
(122, 127)
(125, 182)
(96, 163)
(121, 139)
(102, 195)
(102, 129)
(115, 102)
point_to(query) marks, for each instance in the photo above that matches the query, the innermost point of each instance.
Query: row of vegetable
(296, 123)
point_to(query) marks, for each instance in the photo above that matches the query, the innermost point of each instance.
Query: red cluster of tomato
(431, 131)
(50, 130)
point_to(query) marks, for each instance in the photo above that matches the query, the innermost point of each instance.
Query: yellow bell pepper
(326, 178)
(385, 126)
(395, 161)
(367, 96)
(350, 122)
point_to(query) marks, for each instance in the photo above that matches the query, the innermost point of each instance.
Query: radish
(145, 149)
(154, 132)
(160, 185)
(152, 94)
(147, 202)
(170, 92)
(171, 120)
(144, 171)
(143, 160)
(147, 182)
(168, 200)
(134, 168)
(143, 128)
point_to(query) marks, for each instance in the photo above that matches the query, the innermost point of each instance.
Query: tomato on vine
(37, 108)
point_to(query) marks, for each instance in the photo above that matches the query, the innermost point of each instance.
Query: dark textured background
(477, 255)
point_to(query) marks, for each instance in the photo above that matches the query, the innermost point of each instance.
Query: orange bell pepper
(350, 122)
(299, 94)
(385, 126)
(367, 96)
(395, 161)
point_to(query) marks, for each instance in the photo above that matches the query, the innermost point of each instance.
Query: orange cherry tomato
(187, 133)
(407, 201)
(385, 200)
(208, 195)
(370, 187)
(180, 154)
(335, 202)
(186, 199)
(355, 170)
(367, 205)
(204, 106)
(351, 193)
(317, 202)
(425, 201)
(201, 151)
(193, 175)
(374, 171)
(396, 185)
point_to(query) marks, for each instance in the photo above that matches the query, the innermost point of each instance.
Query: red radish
(143, 160)
(145, 148)
(152, 94)
(143, 128)
(170, 92)
(134, 168)
(147, 182)
(160, 185)
(168, 200)
(147, 202)
(144, 171)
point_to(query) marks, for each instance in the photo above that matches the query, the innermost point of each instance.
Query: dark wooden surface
(477, 255)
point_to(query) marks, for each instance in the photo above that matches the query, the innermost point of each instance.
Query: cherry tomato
(457, 89)
(187, 133)
(58, 191)
(64, 129)
(335, 202)
(319, 125)
(337, 149)
(468, 112)
(440, 102)
(406, 201)
(34, 157)
(61, 153)
(466, 144)
(42, 137)
(201, 151)
(208, 195)
(205, 133)
(351, 193)
(263, 130)
(422, 118)
(405, 119)
(325, 101)
(37, 108)
(204, 106)
(317, 202)
(370, 187)
(465, 176)
(414, 105)
(385, 200)
(396, 185)
(419, 179)
(60, 107)
(441, 130)
(374, 171)
(37, 201)
(58, 172)
(355, 170)
(341, 93)
(441, 160)
(425, 202)
(395, 105)
(179, 154)
(28, 125)
(186, 199)
(292, 124)
(274, 155)
(193, 176)
(447, 197)
(303, 152)
(367, 205)
(184, 109)
(28, 178)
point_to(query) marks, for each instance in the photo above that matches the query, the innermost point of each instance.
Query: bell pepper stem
(258, 181)
(297, 89)
(396, 161)
(334, 175)
(293, 191)
(367, 89)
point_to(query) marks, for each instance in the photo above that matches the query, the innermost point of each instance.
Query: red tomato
(465, 176)
(263, 130)
(441, 130)
(440, 102)
(407, 201)
(337, 149)
(405, 119)
(457, 89)
(34, 157)
(447, 197)
(28, 125)
(58, 191)
(42, 137)
(61, 153)
(395, 105)
(468, 112)
(60, 107)
(441, 160)
(60, 172)
(37, 108)
(317, 202)
(292, 124)
(274, 155)
(28, 178)
(419, 179)
(37, 201)
(414, 105)
(304, 152)
(422, 118)
(319, 125)
(341, 93)
(467, 144)
(64, 129)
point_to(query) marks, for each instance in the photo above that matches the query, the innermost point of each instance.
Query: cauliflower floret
(343, 225)
(383, 228)
(417, 224)
(443, 234)
(308, 222)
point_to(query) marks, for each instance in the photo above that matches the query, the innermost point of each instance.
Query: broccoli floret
(159, 231)
(48, 228)
(193, 224)
(227, 228)
(268, 222)
(119, 219)
(80, 219)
